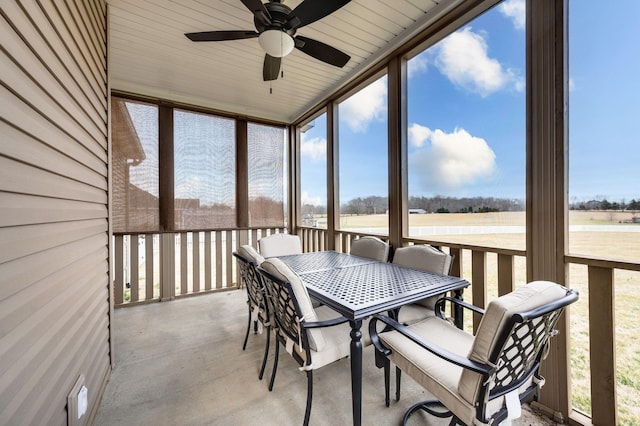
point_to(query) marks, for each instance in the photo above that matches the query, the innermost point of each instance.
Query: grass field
(613, 244)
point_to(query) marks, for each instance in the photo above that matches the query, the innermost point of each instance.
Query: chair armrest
(439, 307)
(428, 345)
(325, 323)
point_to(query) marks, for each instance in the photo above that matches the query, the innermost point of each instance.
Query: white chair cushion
(248, 252)
(371, 248)
(278, 269)
(279, 245)
(425, 258)
(415, 312)
(337, 340)
(440, 377)
(530, 296)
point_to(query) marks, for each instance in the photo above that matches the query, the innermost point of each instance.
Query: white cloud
(368, 104)
(418, 64)
(418, 134)
(315, 201)
(463, 59)
(516, 11)
(314, 148)
(451, 160)
(572, 85)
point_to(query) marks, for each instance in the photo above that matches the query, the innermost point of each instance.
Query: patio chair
(313, 337)
(425, 258)
(370, 247)
(248, 260)
(482, 379)
(279, 245)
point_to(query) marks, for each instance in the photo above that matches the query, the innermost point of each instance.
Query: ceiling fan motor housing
(279, 13)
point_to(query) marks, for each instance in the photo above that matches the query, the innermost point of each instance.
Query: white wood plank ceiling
(149, 54)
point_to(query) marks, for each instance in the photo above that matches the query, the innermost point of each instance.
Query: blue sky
(467, 113)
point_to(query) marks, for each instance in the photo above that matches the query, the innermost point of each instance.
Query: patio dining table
(358, 287)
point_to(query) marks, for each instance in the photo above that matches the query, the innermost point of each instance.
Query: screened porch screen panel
(204, 171)
(135, 168)
(266, 161)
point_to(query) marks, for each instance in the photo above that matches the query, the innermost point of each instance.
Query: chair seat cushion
(337, 340)
(438, 376)
(414, 312)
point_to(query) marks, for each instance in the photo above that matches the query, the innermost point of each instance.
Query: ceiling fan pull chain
(270, 88)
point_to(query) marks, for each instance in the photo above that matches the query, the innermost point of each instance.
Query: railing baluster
(167, 267)
(183, 264)
(207, 260)
(118, 290)
(218, 259)
(195, 254)
(133, 269)
(456, 263)
(602, 346)
(505, 274)
(148, 259)
(478, 282)
(228, 259)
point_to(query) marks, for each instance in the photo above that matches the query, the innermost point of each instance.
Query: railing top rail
(601, 262)
(497, 250)
(251, 228)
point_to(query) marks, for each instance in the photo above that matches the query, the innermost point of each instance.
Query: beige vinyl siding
(54, 236)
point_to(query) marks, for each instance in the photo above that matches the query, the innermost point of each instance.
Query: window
(604, 185)
(135, 168)
(204, 171)
(267, 181)
(467, 133)
(363, 158)
(313, 172)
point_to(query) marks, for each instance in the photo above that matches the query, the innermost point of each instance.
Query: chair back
(252, 280)
(370, 247)
(279, 245)
(513, 335)
(291, 304)
(423, 257)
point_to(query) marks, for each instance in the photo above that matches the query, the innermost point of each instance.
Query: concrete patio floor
(181, 363)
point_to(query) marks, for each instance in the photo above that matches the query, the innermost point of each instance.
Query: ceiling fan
(276, 25)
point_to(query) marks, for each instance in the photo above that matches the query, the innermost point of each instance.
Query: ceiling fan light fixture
(276, 43)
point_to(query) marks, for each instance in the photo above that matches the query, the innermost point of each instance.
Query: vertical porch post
(547, 164)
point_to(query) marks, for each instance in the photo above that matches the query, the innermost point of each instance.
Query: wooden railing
(600, 294)
(496, 271)
(154, 267)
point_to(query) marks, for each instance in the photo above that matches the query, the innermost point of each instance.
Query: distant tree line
(440, 204)
(604, 204)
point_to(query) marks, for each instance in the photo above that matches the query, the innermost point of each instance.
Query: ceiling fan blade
(221, 35)
(321, 51)
(311, 10)
(271, 68)
(259, 10)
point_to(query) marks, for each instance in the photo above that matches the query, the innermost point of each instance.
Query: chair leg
(431, 408)
(275, 365)
(383, 362)
(246, 336)
(398, 377)
(387, 367)
(266, 353)
(307, 413)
